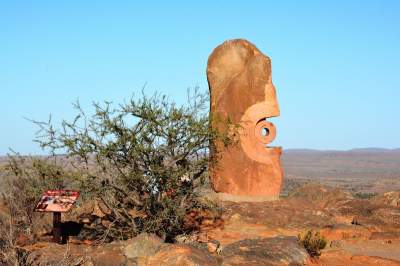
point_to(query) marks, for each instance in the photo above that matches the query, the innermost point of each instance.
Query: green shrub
(364, 195)
(26, 178)
(144, 160)
(313, 242)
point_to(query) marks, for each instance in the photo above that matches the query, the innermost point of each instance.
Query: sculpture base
(243, 198)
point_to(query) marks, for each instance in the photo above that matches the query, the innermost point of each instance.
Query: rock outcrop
(359, 232)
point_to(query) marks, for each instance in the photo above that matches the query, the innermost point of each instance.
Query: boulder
(385, 236)
(277, 251)
(143, 245)
(171, 255)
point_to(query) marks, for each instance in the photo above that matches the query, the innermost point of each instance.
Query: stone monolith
(241, 89)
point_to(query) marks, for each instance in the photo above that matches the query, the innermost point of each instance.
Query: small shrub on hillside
(364, 195)
(26, 178)
(313, 242)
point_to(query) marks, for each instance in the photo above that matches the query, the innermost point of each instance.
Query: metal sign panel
(57, 201)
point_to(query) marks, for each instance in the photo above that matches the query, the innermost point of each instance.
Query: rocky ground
(359, 232)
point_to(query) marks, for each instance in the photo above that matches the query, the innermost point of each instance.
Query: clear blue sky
(336, 64)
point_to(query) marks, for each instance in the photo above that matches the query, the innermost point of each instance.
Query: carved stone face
(241, 89)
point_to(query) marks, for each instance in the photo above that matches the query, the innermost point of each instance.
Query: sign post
(57, 201)
(57, 227)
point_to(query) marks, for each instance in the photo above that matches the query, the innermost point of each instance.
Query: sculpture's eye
(265, 131)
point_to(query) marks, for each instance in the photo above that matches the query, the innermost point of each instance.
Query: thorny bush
(144, 160)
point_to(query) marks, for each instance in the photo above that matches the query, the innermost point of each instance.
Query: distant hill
(301, 151)
(3, 160)
(361, 169)
(374, 150)
(355, 150)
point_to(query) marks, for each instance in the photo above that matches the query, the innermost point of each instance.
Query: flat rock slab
(171, 255)
(340, 257)
(125, 253)
(268, 251)
(44, 254)
(373, 248)
(385, 236)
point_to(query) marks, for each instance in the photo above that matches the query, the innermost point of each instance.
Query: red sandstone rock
(339, 257)
(172, 255)
(241, 89)
(42, 254)
(278, 251)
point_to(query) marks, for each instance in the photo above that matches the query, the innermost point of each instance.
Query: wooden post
(57, 227)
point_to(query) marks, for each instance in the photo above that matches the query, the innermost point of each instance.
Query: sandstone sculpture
(241, 89)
